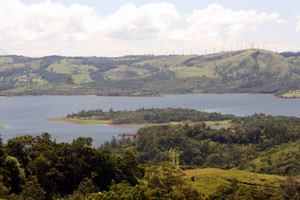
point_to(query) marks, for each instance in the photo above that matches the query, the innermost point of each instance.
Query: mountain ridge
(244, 71)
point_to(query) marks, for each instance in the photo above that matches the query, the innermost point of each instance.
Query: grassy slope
(291, 94)
(243, 71)
(207, 180)
(282, 157)
(80, 73)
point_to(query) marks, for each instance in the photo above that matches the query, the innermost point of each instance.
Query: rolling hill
(251, 71)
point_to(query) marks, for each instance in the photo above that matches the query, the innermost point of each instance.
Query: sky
(122, 27)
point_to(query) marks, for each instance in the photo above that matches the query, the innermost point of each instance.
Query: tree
(16, 174)
(32, 190)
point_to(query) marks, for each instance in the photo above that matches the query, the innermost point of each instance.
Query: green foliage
(291, 94)
(149, 116)
(32, 190)
(202, 146)
(39, 168)
(62, 168)
(252, 70)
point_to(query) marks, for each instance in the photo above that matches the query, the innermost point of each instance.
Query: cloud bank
(52, 28)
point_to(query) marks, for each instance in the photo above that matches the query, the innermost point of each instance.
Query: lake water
(26, 115)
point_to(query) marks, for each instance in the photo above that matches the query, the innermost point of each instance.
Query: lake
(26, 115)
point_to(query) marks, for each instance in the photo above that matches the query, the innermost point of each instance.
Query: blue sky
(121, 27)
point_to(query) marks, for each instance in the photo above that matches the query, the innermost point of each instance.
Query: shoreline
(99, 122)
(110, 122)
(147, 96)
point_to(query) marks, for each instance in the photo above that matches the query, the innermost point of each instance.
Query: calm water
(26, 115)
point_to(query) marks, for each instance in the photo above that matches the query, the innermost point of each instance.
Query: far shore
(148, 96)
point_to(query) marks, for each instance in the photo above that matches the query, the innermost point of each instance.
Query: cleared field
(80, 73)
(207, 180)
(218, 123)
(125, 72)
(292, 94)
(185, 72)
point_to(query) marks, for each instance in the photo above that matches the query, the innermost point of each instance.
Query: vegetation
(250, 144)
(291, 94)
(40, 168)
(2, 127)
(257, 158)
(208, 180)
(147, 117)
(253, 71)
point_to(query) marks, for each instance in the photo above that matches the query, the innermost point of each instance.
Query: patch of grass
(80, 73)
(218, 123)
(186, 72)
(125, 72)
(6, 60)
(207, 180)
(292, 94)
(2, 127)
(283, 157)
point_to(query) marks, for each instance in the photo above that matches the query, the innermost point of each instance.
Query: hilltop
(245, 71)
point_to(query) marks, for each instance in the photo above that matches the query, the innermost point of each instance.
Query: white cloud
(145, 22)
(215, 21)
(298, 26)
(45, 21)
(52, 28)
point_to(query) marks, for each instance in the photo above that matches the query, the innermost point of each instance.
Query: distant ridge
(244, 71)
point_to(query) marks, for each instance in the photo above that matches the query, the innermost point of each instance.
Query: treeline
(151, 116)
(38, 168)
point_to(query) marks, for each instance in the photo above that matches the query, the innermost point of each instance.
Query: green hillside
(285, 158)
(257, 71)
(207, 180)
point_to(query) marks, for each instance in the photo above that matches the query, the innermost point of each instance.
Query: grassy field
(80, 73)
(2, 127)
(283, 156)
(207, 180)
(219, 123)
(292, 94)
(186, 72)
(123, 72)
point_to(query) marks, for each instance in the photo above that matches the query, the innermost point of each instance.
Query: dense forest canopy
(150, 116)
(253, 70)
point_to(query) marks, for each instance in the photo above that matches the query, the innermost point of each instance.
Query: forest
(256, 158)
(148, 116)
(245, 71)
